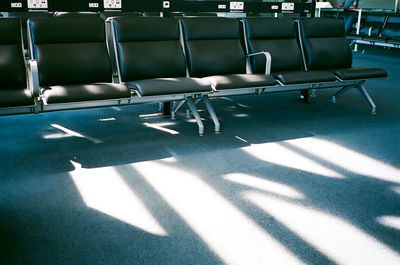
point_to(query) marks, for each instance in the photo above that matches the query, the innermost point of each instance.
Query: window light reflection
(104, 190)
(336, 238)
(280, 155)
(265, 185)
(347, 158)
(234, 237)
(390, 221)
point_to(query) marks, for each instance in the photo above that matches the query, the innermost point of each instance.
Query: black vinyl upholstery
(328, 49)
(71, 52)
(23, 17)
(149, 48)
(279, 37)
(234, 81)
(325, 49)
(169, 86)
(13, 86)
(214, 49)
(76, 14)
(213, 46)
(372, 25)
(392, 28)
(87, 92)
(150, 56)
(303, 77)
(360, 73)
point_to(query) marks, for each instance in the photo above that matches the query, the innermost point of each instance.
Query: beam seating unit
(151, 61)
(280, 38)
(391, 30)
(158, 59)
(328, 50)
(214, 51)
(74, 67)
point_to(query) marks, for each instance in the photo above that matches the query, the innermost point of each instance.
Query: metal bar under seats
(196, 115)
(341, 92)
(368, 98)
(211, 111)
(176, 108)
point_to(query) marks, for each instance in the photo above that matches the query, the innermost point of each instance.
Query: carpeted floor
(283, 183)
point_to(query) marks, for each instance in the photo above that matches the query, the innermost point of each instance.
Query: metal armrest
(33, 78)
(268, 60)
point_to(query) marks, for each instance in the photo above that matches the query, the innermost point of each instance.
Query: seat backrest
(325, 45)
(213, 46)
(70, 50)
(105, 15)
(372, 24)
(75, 14)
(392, 27)
(23, 17)
(279, 37)
(148, 47)
(12, 64)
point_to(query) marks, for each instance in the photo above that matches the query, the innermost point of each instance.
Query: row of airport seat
(381, 28)
(184, 61)
(376, 28)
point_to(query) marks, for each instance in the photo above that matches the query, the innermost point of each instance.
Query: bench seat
(302, 77)
(360, 73)
(169, 86)
(16, 98)
(14, 90)
(235, 81)
(85, 92)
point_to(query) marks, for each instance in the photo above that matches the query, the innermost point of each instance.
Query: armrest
(268, 60)
(33, 78)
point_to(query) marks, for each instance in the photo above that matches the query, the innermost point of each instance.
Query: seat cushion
(169, 86)
(302, 77)
(85, 92)
(357, 73)
(15, 98)
(221, 82)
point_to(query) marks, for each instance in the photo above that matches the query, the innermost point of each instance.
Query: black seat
(150, 57)
(108, 14)
(14, 91)
(75, 14)
(329, 50)
(372, 25)
(214, 51)
(279, 37)
(391, 30)
(72, 59)
(23, 17)
(152, 62)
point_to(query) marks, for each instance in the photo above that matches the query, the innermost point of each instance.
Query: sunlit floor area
(283, 183)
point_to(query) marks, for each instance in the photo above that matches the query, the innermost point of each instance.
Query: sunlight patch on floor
(334, 237)
(277, 154)
(347, 159)
(75, 134)
(390, 221)
(264, 184)
(104, 190)
(233, 236)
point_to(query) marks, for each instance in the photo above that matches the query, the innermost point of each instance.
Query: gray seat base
(170, 86)
(16, 98)
(85, 92)
(235, 81)
(303, 77)
(360, 73)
